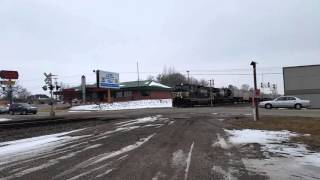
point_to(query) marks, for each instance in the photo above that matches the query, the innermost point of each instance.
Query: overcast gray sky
(72, 37)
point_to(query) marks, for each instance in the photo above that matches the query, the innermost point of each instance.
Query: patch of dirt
(308, 127)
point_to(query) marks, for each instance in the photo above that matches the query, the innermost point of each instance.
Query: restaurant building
(129, 91)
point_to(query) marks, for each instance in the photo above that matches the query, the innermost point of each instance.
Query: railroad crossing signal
(50, 86)
(48, 79)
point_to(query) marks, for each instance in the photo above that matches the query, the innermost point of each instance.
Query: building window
(127, 94)
(119, 94)
(145, 93)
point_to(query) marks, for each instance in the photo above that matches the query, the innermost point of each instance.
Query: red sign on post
(258, 93)
(9, 74)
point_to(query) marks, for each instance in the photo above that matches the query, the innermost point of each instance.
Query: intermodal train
(188, 95)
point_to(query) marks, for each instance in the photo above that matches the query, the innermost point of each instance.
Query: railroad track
(47, 121)
(56, 120)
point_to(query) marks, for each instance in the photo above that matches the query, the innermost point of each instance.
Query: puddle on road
(281, 159)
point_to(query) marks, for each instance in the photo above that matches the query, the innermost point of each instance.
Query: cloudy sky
(72, 37)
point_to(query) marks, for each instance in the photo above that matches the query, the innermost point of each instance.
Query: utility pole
(262, 87)
(10, 92)
(211, 100)
(138, 73)
(83, 88)
(188, 76)
(255, 100)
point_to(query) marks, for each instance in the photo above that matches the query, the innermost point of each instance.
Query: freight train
(188, 95)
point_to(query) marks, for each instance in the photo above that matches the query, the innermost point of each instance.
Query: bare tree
(245, 87)
(233, 87)
(203, 82)
(171, 78)
(18, 92)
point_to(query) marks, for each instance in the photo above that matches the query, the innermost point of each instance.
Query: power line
(232, 74)
(234, 69)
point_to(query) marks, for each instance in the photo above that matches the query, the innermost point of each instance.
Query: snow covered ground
(283, 160)
(161, 103)
(30, 147)
(25, 156)
(4, 119)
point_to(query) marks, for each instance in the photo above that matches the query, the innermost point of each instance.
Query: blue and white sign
(109, 80)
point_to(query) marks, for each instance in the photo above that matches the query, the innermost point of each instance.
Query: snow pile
(4, 119)
(103, 157)
(279, 152)
(247, 136)
(162, 103)
(32, 146)
(159, 85)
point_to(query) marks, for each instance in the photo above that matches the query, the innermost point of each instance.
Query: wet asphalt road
(148, 144)
(230, 110)
(142, 145)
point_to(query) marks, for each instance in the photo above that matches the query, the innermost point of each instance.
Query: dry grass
(301, 125)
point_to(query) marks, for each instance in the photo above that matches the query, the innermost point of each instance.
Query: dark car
(22, 108)
(4, 110)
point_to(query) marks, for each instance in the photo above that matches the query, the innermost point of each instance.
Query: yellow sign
(7, 83)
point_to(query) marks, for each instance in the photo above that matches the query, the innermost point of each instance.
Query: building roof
(313, 65)
(149, 84)
(134, 85)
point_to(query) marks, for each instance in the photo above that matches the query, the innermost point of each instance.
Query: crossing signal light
(45, 88)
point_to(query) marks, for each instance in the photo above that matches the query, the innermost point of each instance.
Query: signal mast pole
(255, 100)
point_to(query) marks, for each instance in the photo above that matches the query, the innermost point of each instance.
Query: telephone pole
(138, 73)
(188, 77)
(83, 88)
(255, 100)
(211, 100)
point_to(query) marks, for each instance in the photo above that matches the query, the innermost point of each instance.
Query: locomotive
(188, 95)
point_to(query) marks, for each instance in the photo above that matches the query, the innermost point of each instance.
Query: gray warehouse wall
(314, 98)
(303, 82)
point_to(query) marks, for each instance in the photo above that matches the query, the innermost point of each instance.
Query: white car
(285, 102)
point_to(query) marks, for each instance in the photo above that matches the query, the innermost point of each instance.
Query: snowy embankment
(283, 159)
(4, 119)
(160, 103)
(25, 156)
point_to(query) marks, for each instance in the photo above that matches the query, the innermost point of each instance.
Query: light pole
(255, 100)
(188, 77)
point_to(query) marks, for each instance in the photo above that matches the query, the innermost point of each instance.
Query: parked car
(285, 102)
(22, 108)
(4, 110)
